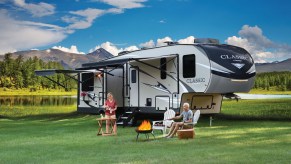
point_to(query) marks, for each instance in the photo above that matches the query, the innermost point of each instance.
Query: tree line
(280, 81)
(19, 73)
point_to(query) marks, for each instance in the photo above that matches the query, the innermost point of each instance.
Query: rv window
(133, 76)
(189, 66)
(87, 81)
(163, 68)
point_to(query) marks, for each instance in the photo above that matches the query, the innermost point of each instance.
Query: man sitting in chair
(187, 116)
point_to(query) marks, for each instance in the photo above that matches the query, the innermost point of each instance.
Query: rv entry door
(134, 86)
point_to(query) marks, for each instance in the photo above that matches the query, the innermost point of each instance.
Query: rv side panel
(206, 103)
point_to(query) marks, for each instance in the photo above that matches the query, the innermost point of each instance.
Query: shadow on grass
(220, 116)
(2, 116)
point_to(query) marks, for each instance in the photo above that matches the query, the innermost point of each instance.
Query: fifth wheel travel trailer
(148, 82)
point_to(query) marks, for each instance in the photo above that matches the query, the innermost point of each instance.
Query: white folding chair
(163, 125)
(195, 119)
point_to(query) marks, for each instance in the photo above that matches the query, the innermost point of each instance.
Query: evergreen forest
(19, 73)
(278, 81)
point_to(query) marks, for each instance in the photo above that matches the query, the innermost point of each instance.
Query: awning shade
(49, 72)
(105, 63)
(118, 61)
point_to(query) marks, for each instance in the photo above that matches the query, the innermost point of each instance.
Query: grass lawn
(260, 109)
(275, 92)
(26, 91)
(18, 111)
(71, 138)
(247, 131)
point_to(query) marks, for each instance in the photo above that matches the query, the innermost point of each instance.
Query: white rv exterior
(157, 79)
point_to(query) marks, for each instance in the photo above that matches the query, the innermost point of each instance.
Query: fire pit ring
(145, 128)
(146, 132)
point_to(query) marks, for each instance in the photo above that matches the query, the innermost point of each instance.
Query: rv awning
(49, 72)
(105, 63)
(118, 61)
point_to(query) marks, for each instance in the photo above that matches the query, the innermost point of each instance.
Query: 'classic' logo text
(233, 57)
(196, 80)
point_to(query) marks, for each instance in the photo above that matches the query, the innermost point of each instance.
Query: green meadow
(260, 109)
(248, 131)
(30, 92)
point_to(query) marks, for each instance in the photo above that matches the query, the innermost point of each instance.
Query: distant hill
(274, 67)
(68, 60)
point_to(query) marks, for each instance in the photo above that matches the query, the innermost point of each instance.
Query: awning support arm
(72, 77)
(106, 72)
(57, 83)
(152, 65)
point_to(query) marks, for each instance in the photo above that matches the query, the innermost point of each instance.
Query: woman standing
(110, 108)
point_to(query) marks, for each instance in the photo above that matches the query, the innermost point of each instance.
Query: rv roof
(206, 41)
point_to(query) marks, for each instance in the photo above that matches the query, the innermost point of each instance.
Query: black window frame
(133, 76)
(163, 68)
(88, 82)
(189, 66)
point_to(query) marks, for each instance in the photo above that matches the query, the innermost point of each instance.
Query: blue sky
(81, 26)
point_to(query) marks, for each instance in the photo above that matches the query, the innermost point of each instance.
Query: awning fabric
(49, 72)
(105, 63)
(119, 61)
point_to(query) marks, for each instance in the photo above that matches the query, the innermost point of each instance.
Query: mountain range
(72, 60)
(68, 60)
(284, 65)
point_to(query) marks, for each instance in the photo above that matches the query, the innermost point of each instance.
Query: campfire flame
(145, 125)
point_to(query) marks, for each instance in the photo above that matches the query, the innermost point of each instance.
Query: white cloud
(149, 44)
(20, 35)
(37, 10)
(19, 2)
(131, 48)
(69, 19)
(162, 21)
(113, 49)
(255, 35)
(90, 14)
(115, 11)
(73, 49)
(161, 42)
(188, 40)
(125, 4)
(240, 42)
(108, 47)
(83, 18)
(43, 25)
(259, 46)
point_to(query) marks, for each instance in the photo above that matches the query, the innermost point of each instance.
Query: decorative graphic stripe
(234, 76)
